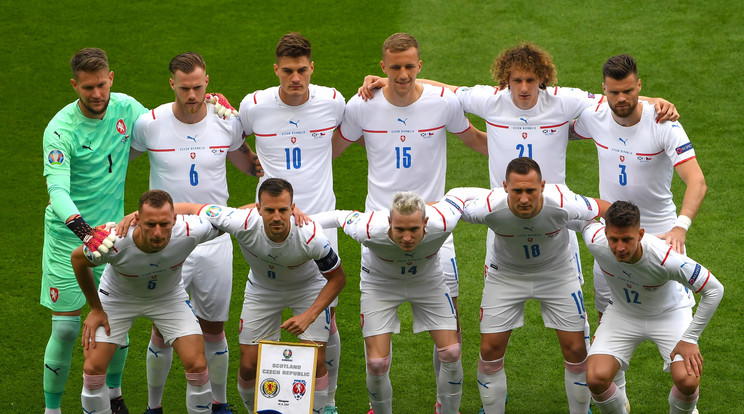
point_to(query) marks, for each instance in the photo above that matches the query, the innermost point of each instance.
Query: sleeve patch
(328, 263)
(56, 157)
(213, 211)
(684, 148)
(695, 274)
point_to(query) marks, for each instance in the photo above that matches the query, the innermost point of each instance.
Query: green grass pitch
(688, 52)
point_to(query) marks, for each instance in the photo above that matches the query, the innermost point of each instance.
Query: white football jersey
(294, 263)
(641, 288)
(187, 160)
(536, 245)
(384, 256)
(540, 133)
(406, 146)
(637, 163)
(147, 275)
(294, 142)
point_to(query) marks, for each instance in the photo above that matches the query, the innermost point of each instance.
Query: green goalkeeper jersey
(85, 163)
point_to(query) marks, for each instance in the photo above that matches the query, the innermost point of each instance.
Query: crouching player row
(143, 279)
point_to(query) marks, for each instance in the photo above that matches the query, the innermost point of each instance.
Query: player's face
(524, 87)
(190, 89)
(294, 78)
(625, 243)
(94, 91)
(524, 194)
(401, 69)
(407, 231)
(622, 95)
(276, 211)
(156, 224)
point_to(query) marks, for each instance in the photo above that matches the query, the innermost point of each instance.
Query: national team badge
(298, 389)
(213, 211)
(269, 388)
(524, 135)
(622, 158)
(121, 127)
(56, 157)
(192, 155)
(287, 354)
(402, 138)
(293, 139)
(54, 294)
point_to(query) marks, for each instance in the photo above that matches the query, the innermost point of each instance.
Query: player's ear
(604, 88)
(504, 184)
(382, 66)
(276, 69)
(641, 232)
(312, 67)
(206, 80)
(73, 82)
(639, 84)
(172, 83)
(111, 77)
(542, 186)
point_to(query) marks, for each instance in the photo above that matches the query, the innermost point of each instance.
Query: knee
(687, 385)
(65, 328)
(598, 380)
(450, 353)
(378, 366)
(196, 364)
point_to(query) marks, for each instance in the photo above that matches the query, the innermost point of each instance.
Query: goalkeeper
(86, 149)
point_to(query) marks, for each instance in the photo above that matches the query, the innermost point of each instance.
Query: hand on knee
(449, 353)
(378, 366)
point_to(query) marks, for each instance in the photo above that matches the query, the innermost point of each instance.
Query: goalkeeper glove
(222, 106)
(98, 240)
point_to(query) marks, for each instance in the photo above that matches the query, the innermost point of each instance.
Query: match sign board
(285, 377)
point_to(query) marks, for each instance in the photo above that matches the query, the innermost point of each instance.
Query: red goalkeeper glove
(222, 106)
(98, 240)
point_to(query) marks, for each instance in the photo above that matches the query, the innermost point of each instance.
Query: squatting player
(86, 148)
(293, 124)
(530, 258)
(401, 264)
(143, 279)
(642, 274)
(405, 136)
(187, 143)
(291, 266)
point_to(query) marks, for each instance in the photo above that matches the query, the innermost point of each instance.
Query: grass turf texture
(687, 52)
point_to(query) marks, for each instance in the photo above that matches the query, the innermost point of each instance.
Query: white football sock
(94, 397)
(247, 391)
(333, 358)
(577, 391)
(218, 358)
(158, 364)
(449, 386)
(610, 401)
(492, 385)
(680, 403)
(198, 393)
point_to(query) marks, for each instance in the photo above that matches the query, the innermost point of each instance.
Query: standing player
(143, 278)
(187, 144)
(293, 124)
(86, 146)
(401, 264)
(637, 157)
(291, 266)
(530, 258)
(642, 273)
(404, 131)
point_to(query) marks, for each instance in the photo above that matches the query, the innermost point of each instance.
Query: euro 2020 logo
(56, 157)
